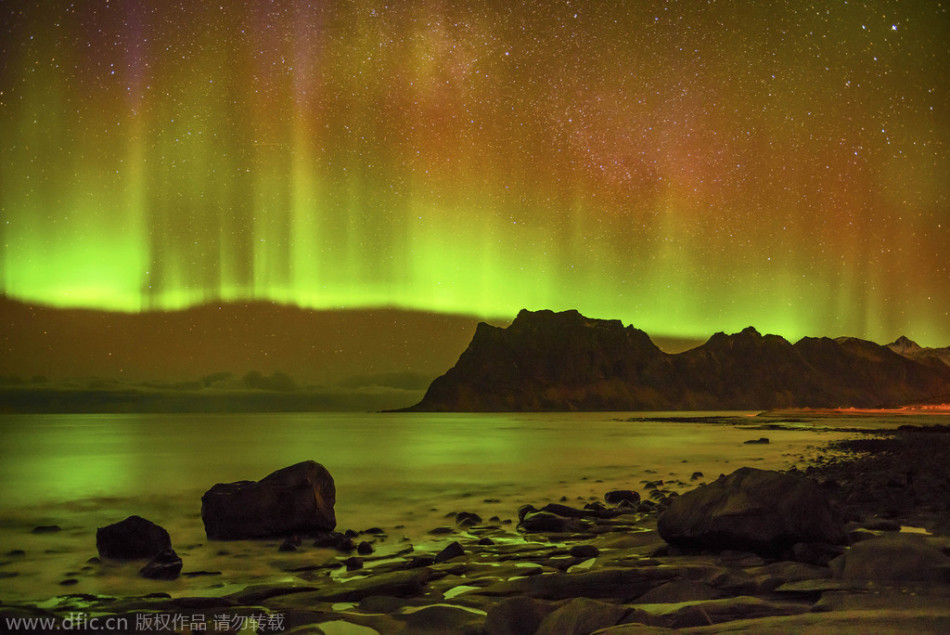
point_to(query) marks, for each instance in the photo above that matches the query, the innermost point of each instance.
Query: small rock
(882, 524)
(696, 476)
(467, 519)
(546, 521)
(584, 551)
(353, 563)
(453, 550)
(364, 548)
(818, 553)
(760, 440)
(68, 582)
(617, 496)
(164, 566)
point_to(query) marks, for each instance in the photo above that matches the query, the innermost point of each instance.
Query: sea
(63, 476)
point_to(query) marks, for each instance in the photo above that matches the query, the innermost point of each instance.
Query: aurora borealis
(687, 167)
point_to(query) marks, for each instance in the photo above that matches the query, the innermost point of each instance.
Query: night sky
(687, 167)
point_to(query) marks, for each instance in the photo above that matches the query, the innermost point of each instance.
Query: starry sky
(687, 167)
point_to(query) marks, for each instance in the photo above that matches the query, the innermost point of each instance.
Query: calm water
(402, 472)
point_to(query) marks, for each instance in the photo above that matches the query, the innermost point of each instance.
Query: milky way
(687, 167)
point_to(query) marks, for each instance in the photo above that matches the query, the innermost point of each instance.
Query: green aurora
(687, 167)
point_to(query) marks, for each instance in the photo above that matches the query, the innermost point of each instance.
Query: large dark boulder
(132, 538)
(751, 510)
(295, 499)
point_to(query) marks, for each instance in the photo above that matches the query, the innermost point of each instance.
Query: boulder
(893, 558)
(581, 616)
(295, 499)
(757, 510)
(132, 538)
(517, 615)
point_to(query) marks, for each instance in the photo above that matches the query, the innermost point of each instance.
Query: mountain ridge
(566, 361)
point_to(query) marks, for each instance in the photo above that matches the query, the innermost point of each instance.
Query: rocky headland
(857, 541)
(547, 361)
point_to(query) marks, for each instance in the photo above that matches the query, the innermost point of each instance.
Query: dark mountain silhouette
(565, 361)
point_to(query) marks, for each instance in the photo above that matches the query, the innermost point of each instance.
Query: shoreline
(491, 564)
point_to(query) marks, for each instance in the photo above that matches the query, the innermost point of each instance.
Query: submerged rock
(132, 538)
(750, 509)
(164, 566)
(295, 499)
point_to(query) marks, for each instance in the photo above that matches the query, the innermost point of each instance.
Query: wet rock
(443, 618)
(893, 558)
(621, 584)
(702, 613)
(517, 615)
(584, 551)
(441, 531)
(467, 519)
(679, 591)
(334, 540)
(581, 616)
(816, 552)
(132, 538)
(353, 563)
(750, 509)
(759, 441)
(546, 521)
(68, 582)
(695, 476)
(364, 548)
(289, 544)
(398, 583)
(259, 593)
(524, 510)
(453, 550)
(295, 499)
(164, 566)
(882, 524)
(618, 496)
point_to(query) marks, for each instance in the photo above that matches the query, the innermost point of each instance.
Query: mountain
(909, 348)
(565, 361)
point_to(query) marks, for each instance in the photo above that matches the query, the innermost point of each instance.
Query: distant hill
(313, 347)
(565, 361)
(246, 356)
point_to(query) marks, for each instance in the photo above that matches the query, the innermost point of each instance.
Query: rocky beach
(854, 538)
